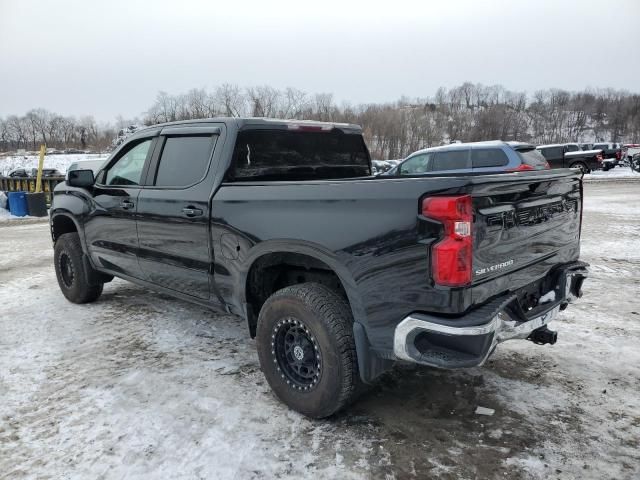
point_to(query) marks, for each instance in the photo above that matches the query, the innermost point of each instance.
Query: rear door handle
(192, 211)
(126, 204)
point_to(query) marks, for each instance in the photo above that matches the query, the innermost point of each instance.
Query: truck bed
(372, 233)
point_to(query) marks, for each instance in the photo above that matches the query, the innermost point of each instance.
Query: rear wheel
(582, 166)
(71, 271)
(306, 349)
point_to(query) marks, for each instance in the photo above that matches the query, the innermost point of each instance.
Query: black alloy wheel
(296, 354)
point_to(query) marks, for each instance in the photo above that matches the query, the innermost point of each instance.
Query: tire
(71, 270)
(582, 166)
(306, 349)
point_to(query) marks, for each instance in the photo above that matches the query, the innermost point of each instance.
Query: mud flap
(94, 277)
(370, 365)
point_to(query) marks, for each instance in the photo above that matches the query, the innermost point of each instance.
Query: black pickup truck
(338, 273)
(570, 155)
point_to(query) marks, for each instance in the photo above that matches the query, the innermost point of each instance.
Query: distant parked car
(72, 151)
(611, 151)
(476, 157)
(569, 155)
(46, 172)
(380, 166)
(18, 173)
(628, 151)
(634, 163)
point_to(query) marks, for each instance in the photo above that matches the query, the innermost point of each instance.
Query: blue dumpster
(18, 204)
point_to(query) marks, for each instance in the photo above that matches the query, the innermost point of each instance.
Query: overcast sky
(111, 57)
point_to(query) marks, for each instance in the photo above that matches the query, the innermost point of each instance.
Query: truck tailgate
(521, 227)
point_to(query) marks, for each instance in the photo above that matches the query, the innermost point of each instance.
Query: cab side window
(128, 168)
(184, 160)
(556, 152)
(552, 152)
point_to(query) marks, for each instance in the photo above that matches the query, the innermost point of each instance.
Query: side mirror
(80, 178)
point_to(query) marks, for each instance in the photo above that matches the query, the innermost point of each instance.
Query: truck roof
(257, 122)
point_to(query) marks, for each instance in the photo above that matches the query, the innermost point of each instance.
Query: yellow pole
(40, 166)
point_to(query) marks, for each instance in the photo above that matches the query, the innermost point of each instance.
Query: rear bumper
(469, 340)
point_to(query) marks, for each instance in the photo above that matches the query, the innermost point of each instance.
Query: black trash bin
(36, 204)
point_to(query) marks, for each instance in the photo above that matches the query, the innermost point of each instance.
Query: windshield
(286, 155)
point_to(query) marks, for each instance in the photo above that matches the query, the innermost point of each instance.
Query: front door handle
(126, 204)
(192, 211)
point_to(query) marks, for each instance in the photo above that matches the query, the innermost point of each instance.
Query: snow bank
(59, 162)
(5, 217)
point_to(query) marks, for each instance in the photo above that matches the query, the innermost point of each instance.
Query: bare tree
(467, 112)
(231, 100)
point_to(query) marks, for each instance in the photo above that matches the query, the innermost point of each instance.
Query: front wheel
(71, 271)
(307, 350)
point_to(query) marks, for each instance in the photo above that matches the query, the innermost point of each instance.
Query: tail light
(451, 257)
(522, 168)
(618, 155)
(599, 157)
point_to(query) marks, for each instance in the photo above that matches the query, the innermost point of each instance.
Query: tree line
(469, 112)
(40, 126)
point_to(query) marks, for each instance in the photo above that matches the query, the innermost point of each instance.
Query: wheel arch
(63, 221)
(299, 255)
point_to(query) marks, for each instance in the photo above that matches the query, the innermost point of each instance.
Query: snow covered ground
(617, 172)
(139, 385)
(60, 162)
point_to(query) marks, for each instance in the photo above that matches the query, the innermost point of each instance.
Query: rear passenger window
(491, 157)
(184, 160)
(453, 160)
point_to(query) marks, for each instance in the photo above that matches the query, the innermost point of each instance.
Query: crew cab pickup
(339, 274)
(570, 155)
